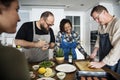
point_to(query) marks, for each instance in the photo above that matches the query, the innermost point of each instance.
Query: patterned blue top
(73, 37)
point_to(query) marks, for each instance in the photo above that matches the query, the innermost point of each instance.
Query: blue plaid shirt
(73, 37)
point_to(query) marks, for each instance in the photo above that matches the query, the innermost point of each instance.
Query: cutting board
(83, 66)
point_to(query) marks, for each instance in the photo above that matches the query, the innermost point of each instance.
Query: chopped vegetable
(46, 64)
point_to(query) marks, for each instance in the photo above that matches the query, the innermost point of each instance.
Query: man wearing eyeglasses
(108, 41)
(36, 37)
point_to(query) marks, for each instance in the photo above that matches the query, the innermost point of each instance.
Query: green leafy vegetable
(47, 64)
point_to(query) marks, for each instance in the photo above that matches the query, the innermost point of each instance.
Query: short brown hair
(99, 9)
(45, 14)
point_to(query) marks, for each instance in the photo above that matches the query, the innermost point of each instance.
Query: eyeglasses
(98, 16)
(48, 23)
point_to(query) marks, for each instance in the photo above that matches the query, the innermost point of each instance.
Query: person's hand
(93, 55)
(96, 64)
(45, 47)
(40, 44)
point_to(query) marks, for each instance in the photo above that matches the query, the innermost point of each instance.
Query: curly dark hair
(62, 24)
(98, 9)
(6, 3)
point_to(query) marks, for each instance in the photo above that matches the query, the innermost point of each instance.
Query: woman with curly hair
(68, 39)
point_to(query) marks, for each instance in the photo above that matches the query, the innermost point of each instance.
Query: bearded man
(36, 38)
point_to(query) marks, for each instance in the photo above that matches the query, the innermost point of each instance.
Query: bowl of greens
(46, 64)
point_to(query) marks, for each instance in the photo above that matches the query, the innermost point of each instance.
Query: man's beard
(44, 29)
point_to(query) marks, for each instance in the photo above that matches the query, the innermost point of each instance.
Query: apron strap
(33, 28)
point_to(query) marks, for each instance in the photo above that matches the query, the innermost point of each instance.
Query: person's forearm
(81, 49)
(94, 53)
(51, 45)
(24, 43)
(95, 49)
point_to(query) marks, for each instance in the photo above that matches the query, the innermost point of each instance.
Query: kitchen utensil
(89, 75)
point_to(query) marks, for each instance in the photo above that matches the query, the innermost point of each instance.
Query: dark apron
(105, 47)
(66, 46)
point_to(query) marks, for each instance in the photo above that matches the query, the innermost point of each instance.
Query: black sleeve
(25, 32)
(52, 37)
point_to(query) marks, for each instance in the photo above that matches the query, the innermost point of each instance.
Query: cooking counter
(94, 74)
(72, 75)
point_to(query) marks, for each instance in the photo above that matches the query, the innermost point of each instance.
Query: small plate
(44, 78)
(66, 68)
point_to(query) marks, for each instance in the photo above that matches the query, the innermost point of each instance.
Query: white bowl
(32, 75)
(61, 75)
(35, 67)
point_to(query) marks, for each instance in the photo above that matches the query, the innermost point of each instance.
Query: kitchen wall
(116, 10)
(87, 23)
(82, 26)
(58, 14)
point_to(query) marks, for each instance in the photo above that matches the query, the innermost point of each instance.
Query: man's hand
(40, 44)
(45, 47)
(96, 64)
(94, 53)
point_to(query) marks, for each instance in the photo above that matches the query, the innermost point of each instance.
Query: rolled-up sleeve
(97, 42)
(114, 54)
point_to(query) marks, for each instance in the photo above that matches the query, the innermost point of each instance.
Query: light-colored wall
(87, 23)
(58, 14)
(32, 15)
(83, 28)
(116, 10)
(109, 7)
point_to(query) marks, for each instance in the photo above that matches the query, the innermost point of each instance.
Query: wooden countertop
(71, 76)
